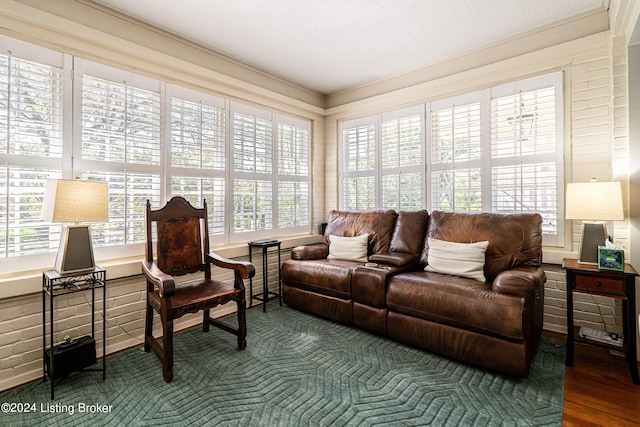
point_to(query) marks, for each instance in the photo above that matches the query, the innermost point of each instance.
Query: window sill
(556, 255)
(29, 282)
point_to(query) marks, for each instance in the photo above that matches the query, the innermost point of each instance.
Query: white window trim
(71, 163)
(486, 162)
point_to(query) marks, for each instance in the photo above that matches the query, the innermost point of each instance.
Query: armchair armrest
(163, 281)
(520, 281)
(246, 269)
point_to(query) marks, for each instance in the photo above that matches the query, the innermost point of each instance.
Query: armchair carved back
(182, 237)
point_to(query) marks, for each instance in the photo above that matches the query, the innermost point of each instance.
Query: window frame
(214, 205)
(82, 166)
(56, 165)
(301, 179)
(360, 175)
(485, 163)
(70, 163)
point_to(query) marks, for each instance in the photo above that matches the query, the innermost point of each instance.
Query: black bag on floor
(71, 356)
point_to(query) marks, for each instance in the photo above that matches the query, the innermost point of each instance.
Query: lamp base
(75, 253)
(594, 234)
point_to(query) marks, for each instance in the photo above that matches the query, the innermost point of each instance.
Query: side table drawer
(600, 285)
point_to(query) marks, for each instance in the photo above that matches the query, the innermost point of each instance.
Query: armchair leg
(167, 345)
(242, 324)
(205, 321)
(148, 327)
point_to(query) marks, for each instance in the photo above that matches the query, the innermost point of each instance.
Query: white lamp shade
(598, 201)
(67, 200)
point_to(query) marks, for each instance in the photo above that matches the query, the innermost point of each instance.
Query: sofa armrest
(397, 259)
(520, 281)
(318, 251)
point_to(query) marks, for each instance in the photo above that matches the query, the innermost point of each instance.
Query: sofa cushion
(348, 248)
(378, 224)
(515, 240)
(409, 232)
(458, 302)
(459, 259)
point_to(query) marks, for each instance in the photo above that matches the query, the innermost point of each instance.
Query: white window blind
(455, 154)
(198, 153)
(21, 192)
(197, 189)
(128, 194)
(120, 122)
(252, 205)
(31, 144)
(359, 147)
(148, 140)
(526, 141)
(252, 172)
(198, 135)
(121, 146)
(495, 150)
(252, 142)
(293, 189)
(402, 160)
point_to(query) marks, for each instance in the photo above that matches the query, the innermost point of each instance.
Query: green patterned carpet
(297, 370)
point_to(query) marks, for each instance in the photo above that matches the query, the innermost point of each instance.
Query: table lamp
(75, 201)
(593, 202)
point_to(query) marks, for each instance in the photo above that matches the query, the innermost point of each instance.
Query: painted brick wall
(598, 145)
(21, 327)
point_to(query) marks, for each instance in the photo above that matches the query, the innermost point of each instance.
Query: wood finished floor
(598, 390)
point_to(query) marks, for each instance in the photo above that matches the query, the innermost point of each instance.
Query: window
(382, 162)
(64, 117)
(31, 144)
(120, 136)
(253, 140)
(526, 150)
(495, 150)
(455, 160)
(293, 193)
(402, 162)
(359, 164)
(198, 153)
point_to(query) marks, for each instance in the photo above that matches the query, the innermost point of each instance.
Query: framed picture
(610, 259)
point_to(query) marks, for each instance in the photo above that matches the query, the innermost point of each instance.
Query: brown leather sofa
(495, 324)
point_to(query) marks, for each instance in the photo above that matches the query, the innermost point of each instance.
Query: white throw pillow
(459, 259)
(348, 248)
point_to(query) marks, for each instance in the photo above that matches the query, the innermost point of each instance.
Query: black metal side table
(55, 284)
(264, 297)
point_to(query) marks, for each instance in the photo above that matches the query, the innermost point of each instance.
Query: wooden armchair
(183, 248)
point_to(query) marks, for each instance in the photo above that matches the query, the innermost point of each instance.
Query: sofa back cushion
(378, 224)
(514, 240)
(408, 236)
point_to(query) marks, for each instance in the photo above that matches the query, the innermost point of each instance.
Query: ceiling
(331, 45)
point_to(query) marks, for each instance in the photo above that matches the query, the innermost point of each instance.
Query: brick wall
(597, 144)
(21, 324)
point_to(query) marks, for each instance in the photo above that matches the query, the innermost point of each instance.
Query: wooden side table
(587, 278)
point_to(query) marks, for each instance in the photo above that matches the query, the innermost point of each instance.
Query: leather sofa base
(485, 351)
(336, 309)
(370, 318)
